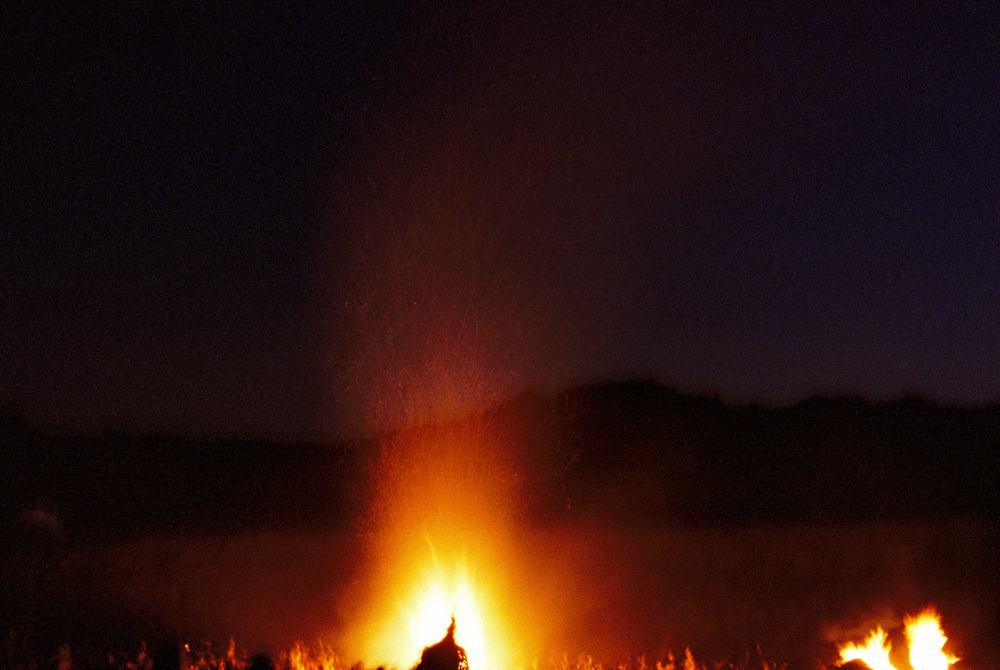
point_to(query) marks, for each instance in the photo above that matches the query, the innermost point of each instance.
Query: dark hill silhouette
(656, 455)
(117, 485)
(638, 451)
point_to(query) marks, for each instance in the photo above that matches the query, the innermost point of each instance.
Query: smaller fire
(925, 640)
(874, 653)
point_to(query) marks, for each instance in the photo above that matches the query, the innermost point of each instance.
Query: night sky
(299, 221)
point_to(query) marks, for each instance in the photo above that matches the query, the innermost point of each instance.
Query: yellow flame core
(442, 545)
(926, 640)
(432, 614)
(874, 653)
(923, 635)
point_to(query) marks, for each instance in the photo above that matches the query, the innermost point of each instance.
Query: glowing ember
(924, 637)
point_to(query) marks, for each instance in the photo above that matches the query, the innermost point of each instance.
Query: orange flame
(434, 609)
(926, 640)
(924, 637)
(874, 653)
(442, 545)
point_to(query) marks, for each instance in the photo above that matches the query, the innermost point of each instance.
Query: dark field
(650, 521)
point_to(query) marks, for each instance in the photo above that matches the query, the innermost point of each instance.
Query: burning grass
(717, 591)
(320, 657)
(925, 641)
(201, 656)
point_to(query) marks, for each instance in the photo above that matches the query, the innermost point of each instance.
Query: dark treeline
(647, 454)
(635, 452)
(119, 485)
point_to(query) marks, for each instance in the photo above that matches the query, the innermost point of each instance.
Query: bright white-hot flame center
(926, 640)
(923, 635)
(443, 547)
(433, 614)
(874, 653)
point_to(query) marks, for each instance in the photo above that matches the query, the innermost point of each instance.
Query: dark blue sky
(289, 220)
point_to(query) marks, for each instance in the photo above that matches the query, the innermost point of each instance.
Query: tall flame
(441, 545)
(433, 609)
(926, 640)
